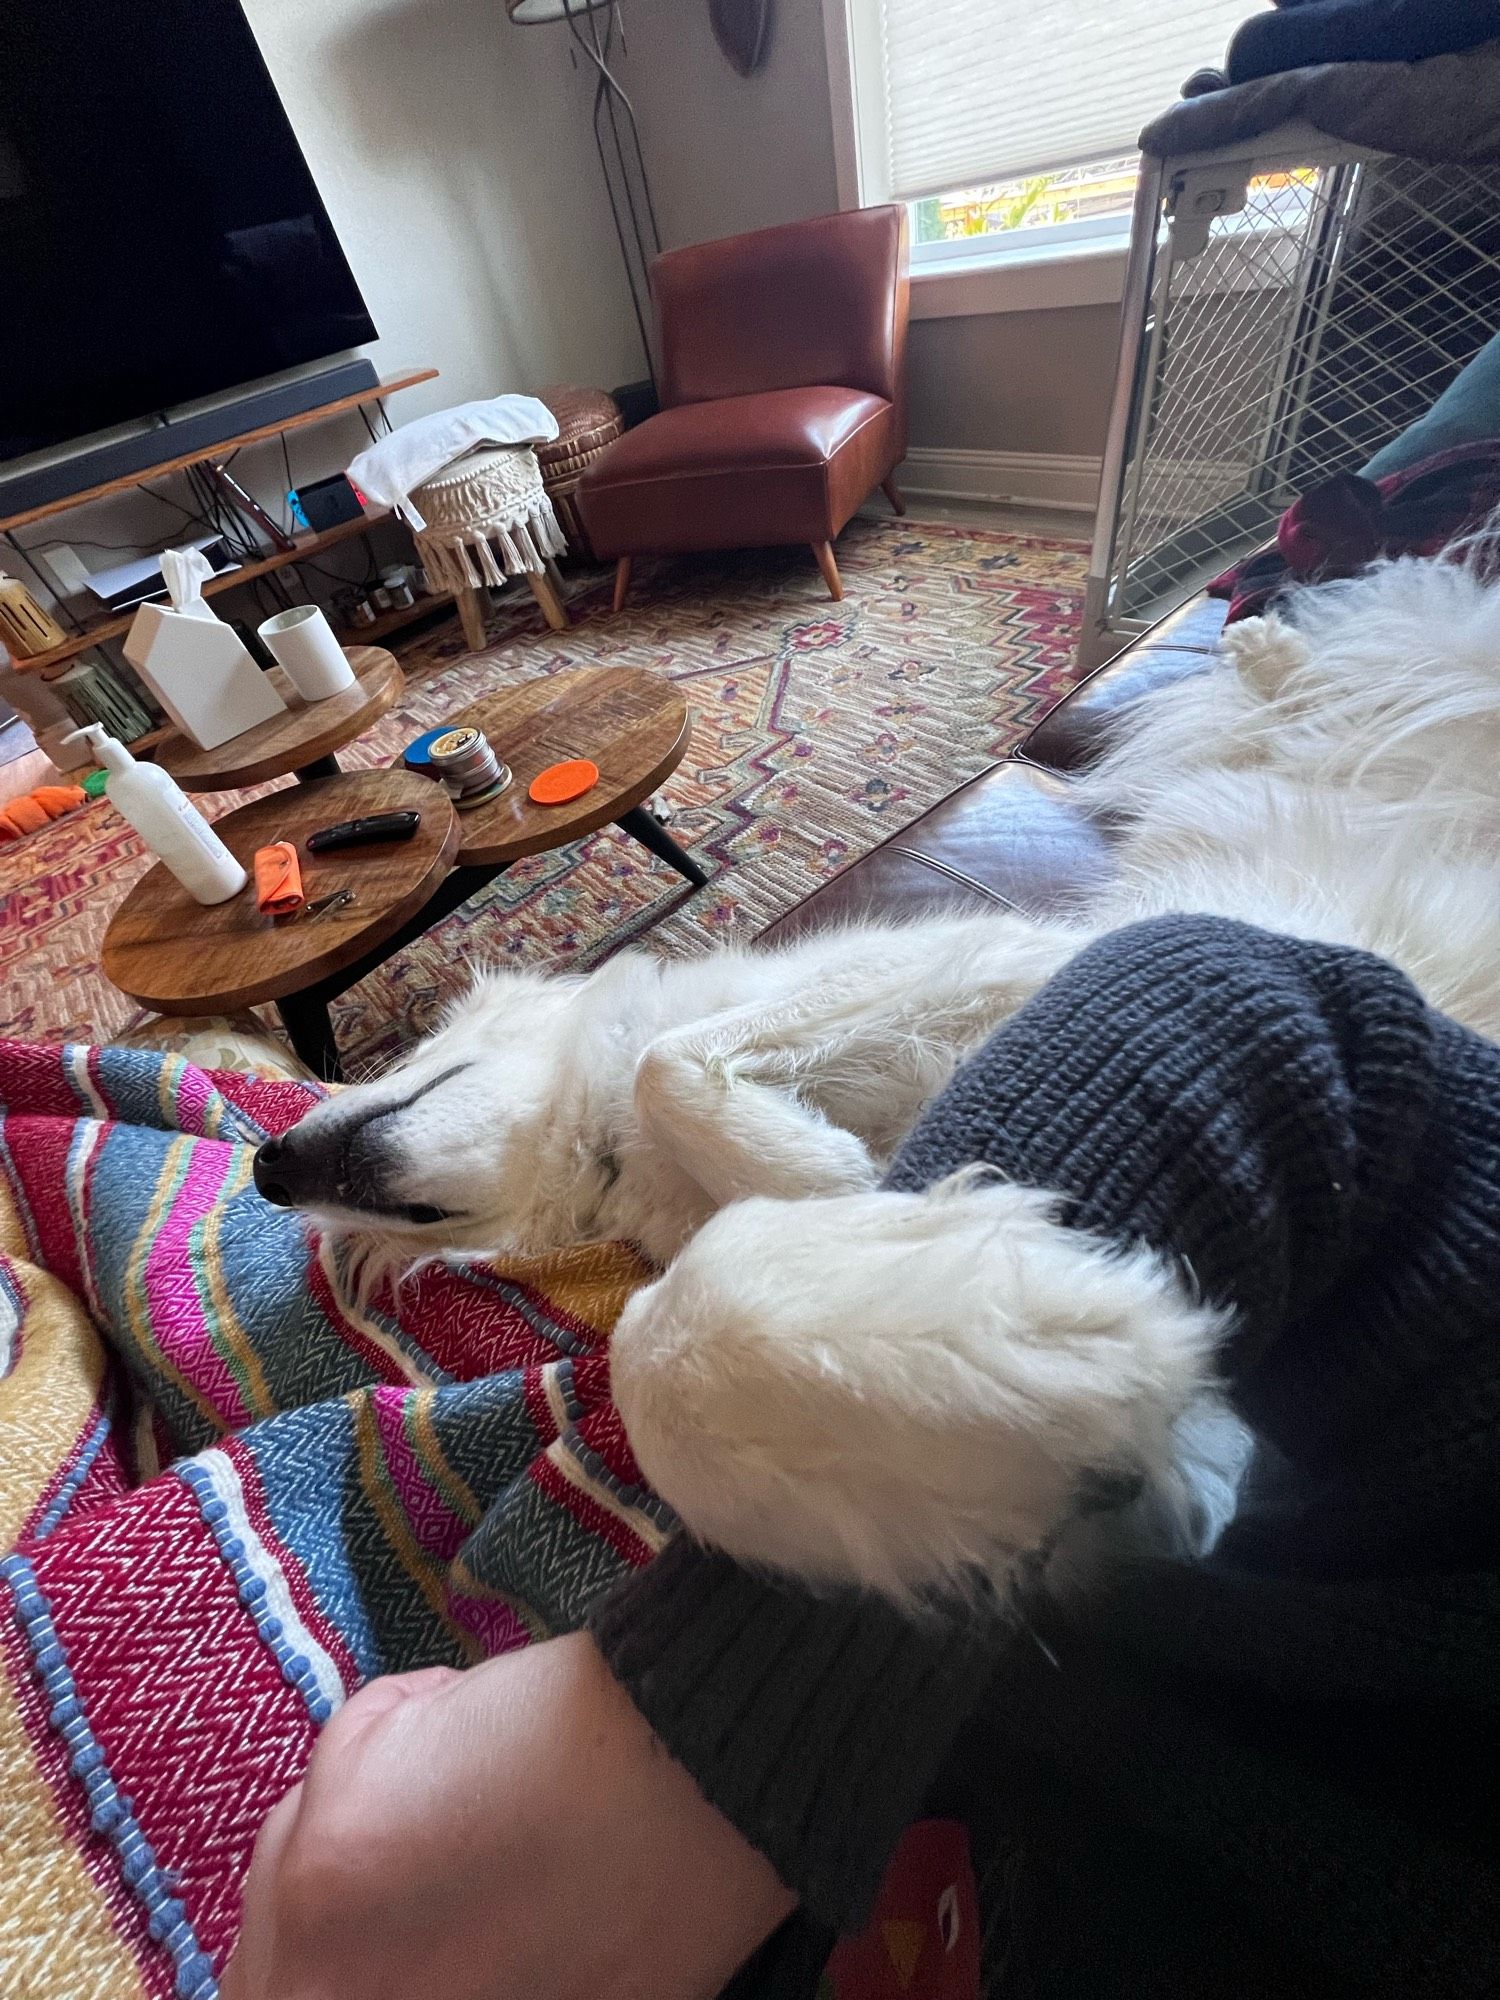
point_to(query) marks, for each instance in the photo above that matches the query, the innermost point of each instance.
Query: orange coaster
(561, 782)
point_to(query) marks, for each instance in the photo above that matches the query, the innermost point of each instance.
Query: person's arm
(815, 1725)
(510, 1833)
(1250, 1104)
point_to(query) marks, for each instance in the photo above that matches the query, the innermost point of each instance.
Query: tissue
(184, 572)
(195, 664)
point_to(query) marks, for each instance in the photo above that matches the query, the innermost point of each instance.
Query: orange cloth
(34, 810)
(278, 880)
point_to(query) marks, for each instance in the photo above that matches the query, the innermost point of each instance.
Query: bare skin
(511, 1831)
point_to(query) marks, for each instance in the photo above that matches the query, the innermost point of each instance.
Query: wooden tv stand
(114, 625)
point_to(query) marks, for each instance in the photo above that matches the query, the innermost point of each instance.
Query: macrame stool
(488, 518)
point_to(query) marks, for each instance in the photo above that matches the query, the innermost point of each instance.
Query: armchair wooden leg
(894, 494)
(471, 617)
(826, 562)
(622, 582)
(553, 609)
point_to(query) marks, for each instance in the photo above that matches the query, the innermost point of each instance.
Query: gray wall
(727, 153)
(1015, 381)
(450, 149)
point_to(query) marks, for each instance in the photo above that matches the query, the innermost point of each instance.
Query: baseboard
(1012, 478)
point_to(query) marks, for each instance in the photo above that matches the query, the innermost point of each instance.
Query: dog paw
(897, 1391)
(1265, 653)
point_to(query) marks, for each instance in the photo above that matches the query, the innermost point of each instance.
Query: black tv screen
(161, 238)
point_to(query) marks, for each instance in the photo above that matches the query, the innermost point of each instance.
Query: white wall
(454, 154)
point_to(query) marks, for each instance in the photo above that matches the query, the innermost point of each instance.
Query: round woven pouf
(588, 422)
(488, 517)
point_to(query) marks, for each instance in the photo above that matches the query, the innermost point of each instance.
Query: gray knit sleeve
(815, 1725)
(1250, 1104)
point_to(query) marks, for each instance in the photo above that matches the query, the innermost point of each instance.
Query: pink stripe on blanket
(497, 1627)
(179, 1326)
(441, 1533)
(37, 1080)
(274, 1106)
(438, 1529)
(193, 1099)
(198, 1725)
(39, 1148)
(472, 1326)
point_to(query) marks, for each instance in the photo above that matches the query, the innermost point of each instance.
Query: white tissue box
(199, 670)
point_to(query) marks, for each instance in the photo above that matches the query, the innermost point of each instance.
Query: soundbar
(21, 491)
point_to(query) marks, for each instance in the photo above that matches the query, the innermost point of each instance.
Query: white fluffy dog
(894, 1389)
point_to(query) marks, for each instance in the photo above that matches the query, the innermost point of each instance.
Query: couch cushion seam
(957, 875)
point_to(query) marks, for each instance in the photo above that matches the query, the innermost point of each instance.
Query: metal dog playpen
(1288, 310)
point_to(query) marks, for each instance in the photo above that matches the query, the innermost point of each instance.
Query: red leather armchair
(783, 395)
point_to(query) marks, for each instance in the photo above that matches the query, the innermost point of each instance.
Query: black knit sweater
(1270, 1772)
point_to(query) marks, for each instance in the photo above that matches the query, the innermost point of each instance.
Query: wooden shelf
(396, 620)
(116, 624)
(376, 393)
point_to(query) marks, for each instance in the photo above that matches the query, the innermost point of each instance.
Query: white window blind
(952, 93)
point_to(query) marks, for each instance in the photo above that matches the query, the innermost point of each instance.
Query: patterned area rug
(819, 729)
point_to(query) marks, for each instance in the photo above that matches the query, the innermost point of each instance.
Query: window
(1028, 108)
(1076, 205)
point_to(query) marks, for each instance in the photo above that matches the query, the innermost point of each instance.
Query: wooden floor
(24, 774)
(1062, 523)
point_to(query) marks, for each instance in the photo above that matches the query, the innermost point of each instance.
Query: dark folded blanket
(1291, 36)
(1444, 109)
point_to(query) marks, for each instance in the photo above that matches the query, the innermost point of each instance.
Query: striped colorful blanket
(229, 1494)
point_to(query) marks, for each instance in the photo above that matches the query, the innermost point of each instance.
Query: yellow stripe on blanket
(13, 1241)
(56, 1936)
(49, 1396)
(154, 1357)
(591, 1281)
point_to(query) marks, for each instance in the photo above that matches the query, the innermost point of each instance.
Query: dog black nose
(326, 1162)
(308, 1165)
(275, 1169)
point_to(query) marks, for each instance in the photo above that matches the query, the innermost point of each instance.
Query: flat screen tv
(161, 238)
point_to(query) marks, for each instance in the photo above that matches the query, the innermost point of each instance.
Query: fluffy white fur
(850, 1384)
(901, 1388)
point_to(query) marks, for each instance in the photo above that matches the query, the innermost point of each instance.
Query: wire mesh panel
(1296, 310)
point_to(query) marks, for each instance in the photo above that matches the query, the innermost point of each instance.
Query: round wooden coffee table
(634, 725)
(173, 954)
(302, 740)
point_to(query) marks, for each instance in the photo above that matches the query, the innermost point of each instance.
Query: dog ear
(899, 1391)
(1265, 653)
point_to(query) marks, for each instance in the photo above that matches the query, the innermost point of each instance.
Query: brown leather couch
(1012, 837)
(782, 381)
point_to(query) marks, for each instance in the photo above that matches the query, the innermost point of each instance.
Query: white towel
(391, 469)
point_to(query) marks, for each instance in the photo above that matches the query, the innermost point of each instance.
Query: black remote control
(364, 832)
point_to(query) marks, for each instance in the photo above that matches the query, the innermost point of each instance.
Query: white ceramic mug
(302, 643)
